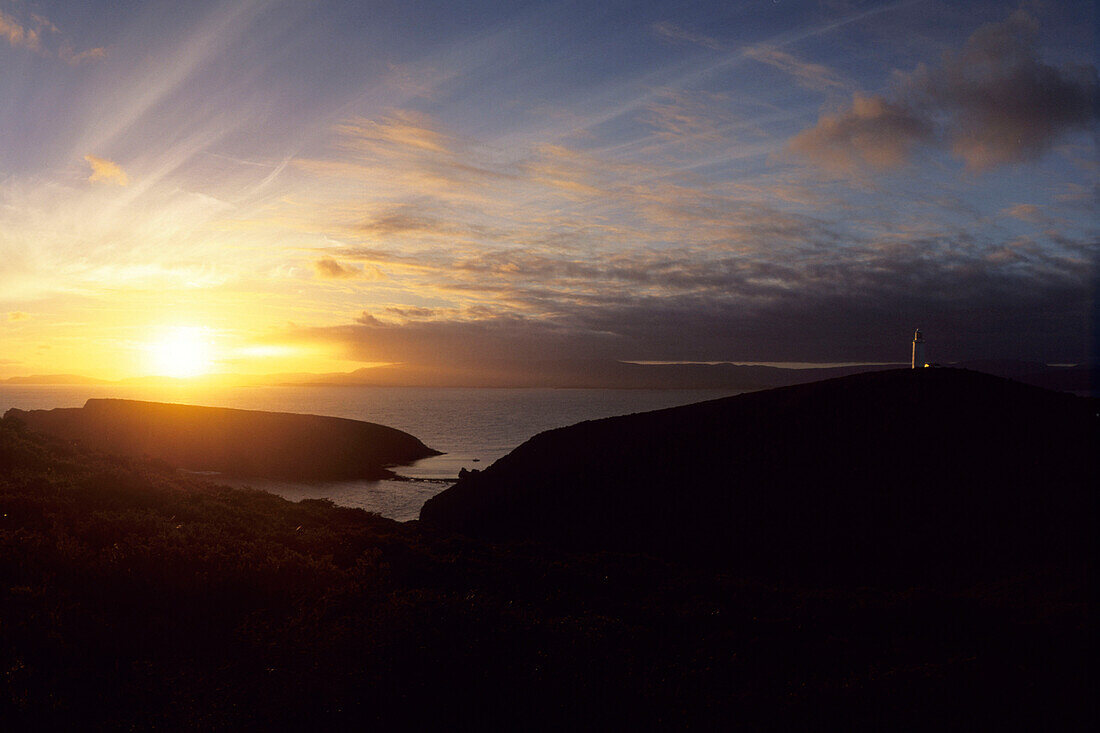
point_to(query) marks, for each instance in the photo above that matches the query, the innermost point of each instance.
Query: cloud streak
(809, 75)
(75, 58)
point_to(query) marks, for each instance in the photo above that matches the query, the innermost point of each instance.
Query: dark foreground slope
(245, 443)
(134, 598)
(900, 471)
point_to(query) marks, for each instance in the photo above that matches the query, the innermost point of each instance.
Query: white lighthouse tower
(918, 350)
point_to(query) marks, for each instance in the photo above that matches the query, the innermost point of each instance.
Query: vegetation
(133, 597)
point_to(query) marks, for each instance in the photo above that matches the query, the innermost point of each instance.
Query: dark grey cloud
(972, 303)
(462, 341)
(1003, 103)
(993, 102)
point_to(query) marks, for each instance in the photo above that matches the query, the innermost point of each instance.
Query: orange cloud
(330, 268)
(31, 36)
(404, 129)
(18, 35)
(1025, 212)
(73, 58)
(106, 171)
(873, 131)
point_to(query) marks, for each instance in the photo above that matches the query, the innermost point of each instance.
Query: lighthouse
(918, 350)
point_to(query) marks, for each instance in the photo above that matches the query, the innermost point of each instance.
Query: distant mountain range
(598, 374)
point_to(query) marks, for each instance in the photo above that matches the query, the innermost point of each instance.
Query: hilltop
(870, 476)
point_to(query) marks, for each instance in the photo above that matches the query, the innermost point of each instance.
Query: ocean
(473, 427)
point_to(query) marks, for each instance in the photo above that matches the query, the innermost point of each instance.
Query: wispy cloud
(1026, 212)
(809, 75)
(403, 129)
(75, 58)
(673, 32)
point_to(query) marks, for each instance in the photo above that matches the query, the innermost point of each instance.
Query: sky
(317, 185)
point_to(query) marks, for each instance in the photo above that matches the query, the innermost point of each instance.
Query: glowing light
(182, 351)
(266, 351)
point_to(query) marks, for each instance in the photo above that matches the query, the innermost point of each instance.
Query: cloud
(809, 75)
(31, 37)
(673, 32)
(1000, 315)
(330, 268)
(17, 316)
(994, 102)
(454, 341)
(1026, 212)
(413, 312)
(73, 58)
(106, 171)
(814, 301)
(1004, 104)
(19, 35)
(871, 132)
(579, 250)
(402, 129)
(694, 119)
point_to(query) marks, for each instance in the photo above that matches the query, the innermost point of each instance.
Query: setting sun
(183, 351)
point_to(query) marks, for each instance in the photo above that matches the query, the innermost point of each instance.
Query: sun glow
(182, 351)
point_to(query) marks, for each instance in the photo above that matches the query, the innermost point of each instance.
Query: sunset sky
(317, 185)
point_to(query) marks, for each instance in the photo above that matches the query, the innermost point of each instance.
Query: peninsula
(243, 443)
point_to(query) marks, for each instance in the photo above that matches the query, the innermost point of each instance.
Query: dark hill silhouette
(245, 443)
(1080, 378)
(875, 475)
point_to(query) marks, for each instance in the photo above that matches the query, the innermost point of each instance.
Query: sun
(181, 351)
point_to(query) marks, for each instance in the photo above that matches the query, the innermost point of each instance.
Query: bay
(472, 426)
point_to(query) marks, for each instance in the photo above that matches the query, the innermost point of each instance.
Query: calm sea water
(473, 427)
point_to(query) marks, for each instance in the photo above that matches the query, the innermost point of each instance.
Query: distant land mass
(245, 443)
(880, 474)
(45, 379)
(596, 374)
(585, 374)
